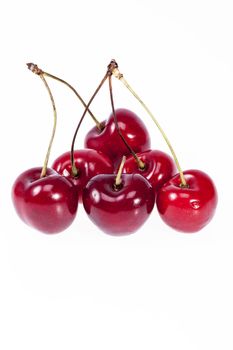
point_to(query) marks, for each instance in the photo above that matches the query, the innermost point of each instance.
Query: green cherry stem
(140, 164)
(44, 169)
(120, 77)
(118, 179)
(35, 69)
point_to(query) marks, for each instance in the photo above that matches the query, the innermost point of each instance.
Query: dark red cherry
(187, 209)
(108, 140)
(118, 211)
(49, 204)
(89, 163)
(159, 167)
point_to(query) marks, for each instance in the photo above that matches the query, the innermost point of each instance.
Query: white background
(81, 289)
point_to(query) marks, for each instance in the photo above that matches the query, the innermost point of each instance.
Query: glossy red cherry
(187, 209)
(108, 140)
(118, 211)
(48, 204)
(89, 163)
(159, 167)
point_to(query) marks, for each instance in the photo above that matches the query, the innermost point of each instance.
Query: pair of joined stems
(42, 74)
(117, 74)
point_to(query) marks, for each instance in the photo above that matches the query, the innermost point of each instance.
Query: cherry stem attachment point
(140, 164)
(44, 169)
(118, 179)
(73, 166)
(120, 77)
(35, 69)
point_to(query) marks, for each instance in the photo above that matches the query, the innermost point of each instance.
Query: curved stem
(74, 169)
(35, 69)
(44, 169)
(98, 124)
(118, 179)
(140, 164)
(119, 76)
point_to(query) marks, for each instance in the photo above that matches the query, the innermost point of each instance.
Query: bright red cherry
(118, 210)
(49, 204)
(159, 167)
(89, 163)
(108, 140)
(187, 209)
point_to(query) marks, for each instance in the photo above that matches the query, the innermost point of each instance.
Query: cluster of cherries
(117, 177)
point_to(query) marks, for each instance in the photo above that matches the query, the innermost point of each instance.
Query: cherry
(48, 203)
(187, 209)
(43, 198)
(118, 205)
(108, 140)
(158, 167)
(89, 163)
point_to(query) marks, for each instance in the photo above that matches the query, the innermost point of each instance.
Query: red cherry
(122, 210)
(187, 209)
(48, 203)
(159, 167)
(108, 140)
(89, 163)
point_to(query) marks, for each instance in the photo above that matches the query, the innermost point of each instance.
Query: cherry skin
(159, 167)
(188, 209)
(118, 211)
(89, 163)
(109, 141)
(49, 204)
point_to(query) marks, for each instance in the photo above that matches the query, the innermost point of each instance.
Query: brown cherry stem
(140, 164)
(44, 169)
(120, 77)
(111, 66)
(118, 179)
(74, 168)
(35, 69)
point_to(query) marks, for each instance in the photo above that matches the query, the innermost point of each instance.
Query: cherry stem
(74, 168)
(44, 169)
(118, 179)
(35, 69)
(140, 164)
(120, 77)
